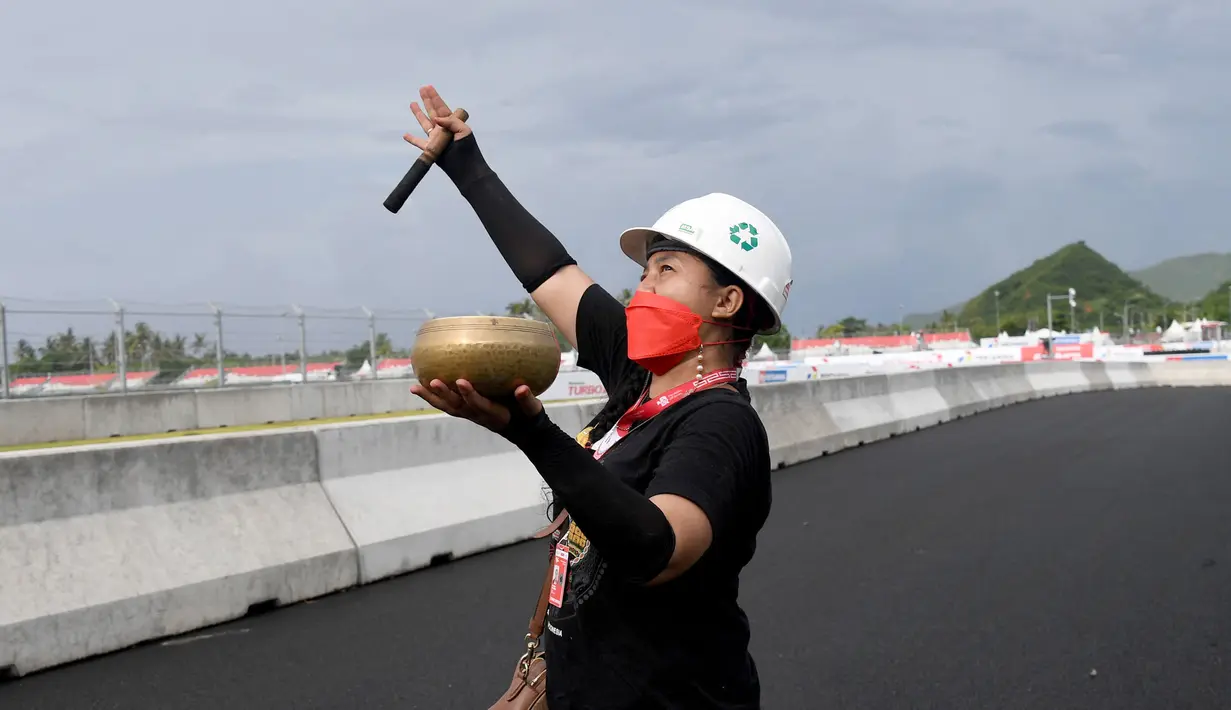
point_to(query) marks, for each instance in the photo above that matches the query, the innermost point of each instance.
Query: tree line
(172, 354)
(147, 349)
(67, 352)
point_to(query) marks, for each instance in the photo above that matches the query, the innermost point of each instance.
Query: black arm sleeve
(534, 254)
(634, 535)
(716, 457)
(528, 247)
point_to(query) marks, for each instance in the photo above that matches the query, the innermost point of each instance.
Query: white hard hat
(734, 234)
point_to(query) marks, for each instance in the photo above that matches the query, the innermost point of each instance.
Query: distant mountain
(1186, 278)
(1216, 305)
(1102, 289)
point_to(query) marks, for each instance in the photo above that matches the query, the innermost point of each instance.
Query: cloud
(1096, 133)
(912, 151)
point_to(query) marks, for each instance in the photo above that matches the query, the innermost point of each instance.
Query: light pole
(4, 354)
(1128, 323)
(121, 346)
(372, 338)
(303, 343)
(997, 295)
(1227, 330)
(1051, 336)
(219, 352)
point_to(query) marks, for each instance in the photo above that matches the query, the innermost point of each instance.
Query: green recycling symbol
(736, 238)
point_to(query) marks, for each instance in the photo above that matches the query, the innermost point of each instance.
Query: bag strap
(540, 610)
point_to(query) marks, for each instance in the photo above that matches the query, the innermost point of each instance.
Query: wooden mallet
(435, 146)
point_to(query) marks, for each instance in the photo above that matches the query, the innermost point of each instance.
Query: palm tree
(528, 308)
(26, 351)
(109, 353)
(177, 347)
(90, 352)
(384, 346)
(198, 344)
(525, 307)
(141, 343)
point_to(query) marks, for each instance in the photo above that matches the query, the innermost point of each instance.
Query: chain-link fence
(74, 347)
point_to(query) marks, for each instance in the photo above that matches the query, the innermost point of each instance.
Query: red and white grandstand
(79, 384)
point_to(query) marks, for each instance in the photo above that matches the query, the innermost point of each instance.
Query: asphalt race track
(1068, 553)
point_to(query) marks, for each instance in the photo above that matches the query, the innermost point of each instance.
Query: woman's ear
(730, 299)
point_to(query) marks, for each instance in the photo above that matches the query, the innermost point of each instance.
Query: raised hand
(466, 403)
(432, 116)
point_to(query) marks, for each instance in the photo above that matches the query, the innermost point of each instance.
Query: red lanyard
(641, 412)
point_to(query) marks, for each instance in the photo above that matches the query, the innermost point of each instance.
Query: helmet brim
(635, 243)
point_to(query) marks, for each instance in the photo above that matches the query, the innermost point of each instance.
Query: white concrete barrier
(1192, 373)
(77, 418)
(1122, 375)
(102, 548)
(106, 546)
(31, 421)
(868, 409)
(1057, 378)
(975, 389)
(413, 490)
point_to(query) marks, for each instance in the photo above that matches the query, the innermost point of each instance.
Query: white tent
(764, 353)
(1174, 333)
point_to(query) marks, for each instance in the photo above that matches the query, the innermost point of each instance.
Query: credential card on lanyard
(559, 573)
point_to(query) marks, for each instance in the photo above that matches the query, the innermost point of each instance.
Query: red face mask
(662, 331)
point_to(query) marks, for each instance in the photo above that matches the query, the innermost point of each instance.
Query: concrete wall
(105, 546)
(34, 421)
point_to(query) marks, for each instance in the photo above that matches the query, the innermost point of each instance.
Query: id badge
(559, 573)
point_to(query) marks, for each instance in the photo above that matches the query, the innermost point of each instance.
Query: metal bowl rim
(487, 323)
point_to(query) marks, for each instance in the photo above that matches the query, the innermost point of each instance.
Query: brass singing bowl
(495, 354)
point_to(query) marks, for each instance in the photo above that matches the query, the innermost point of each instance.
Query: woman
(666, 500)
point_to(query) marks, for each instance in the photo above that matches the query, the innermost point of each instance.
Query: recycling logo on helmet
(737, 231)
(757, 255)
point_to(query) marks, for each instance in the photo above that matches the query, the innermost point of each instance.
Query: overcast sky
(913, 151)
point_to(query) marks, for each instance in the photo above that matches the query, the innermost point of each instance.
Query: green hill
(1186, 278)
(1216, 305)
(1102, 288)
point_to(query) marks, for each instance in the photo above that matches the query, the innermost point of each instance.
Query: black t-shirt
(682, 644)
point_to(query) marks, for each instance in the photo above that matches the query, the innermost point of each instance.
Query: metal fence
(55, 339)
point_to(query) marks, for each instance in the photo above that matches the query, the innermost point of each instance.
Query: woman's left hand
(466, 403)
